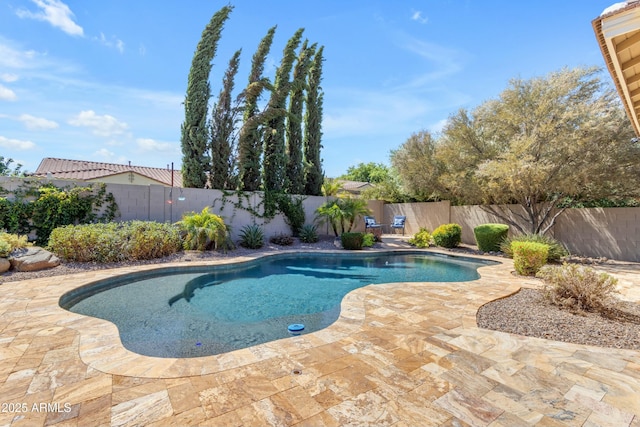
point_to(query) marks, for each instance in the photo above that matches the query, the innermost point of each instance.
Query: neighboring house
(618, 32)
(107, 172)
(354, 187)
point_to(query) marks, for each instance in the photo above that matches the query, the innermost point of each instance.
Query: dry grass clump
(578, 288)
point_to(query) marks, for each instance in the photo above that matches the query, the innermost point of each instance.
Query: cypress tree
(223, 123)
(194, 138)
(250, 141)
(313, 174)
(295, 170)
(274, 162)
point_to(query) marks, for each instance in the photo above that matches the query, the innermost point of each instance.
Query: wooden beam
(634, 93)
(633, 79)
(630, 63)
(626, 44)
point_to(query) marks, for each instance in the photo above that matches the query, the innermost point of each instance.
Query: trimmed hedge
(422, 239)
(556, 249)
(529, 257)
(490, 236)
(352, 241)
(447, 235)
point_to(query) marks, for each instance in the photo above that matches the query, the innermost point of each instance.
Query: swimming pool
(197, 311)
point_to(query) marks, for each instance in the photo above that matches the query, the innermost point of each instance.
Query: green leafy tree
(367, 172)
(274, 161)
(195, 132)
(312, 144)
(223, 131)
(294, 145)
(7, 170)
(542, 141)
(250, 139)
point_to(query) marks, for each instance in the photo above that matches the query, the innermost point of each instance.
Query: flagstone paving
(404, 354)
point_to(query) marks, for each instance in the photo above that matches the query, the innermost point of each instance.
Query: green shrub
(252, 236)
(529, 257)
(447, 235)
(556, 249)
(203, 230)
(422, 239)
(281, 240)
(352, 241)
(114, 242)
(368, 239)
(490, 236)
(149, 240)
(15, 241)
(5, 248)
(578, 288)
(293, 210)
(309, 234)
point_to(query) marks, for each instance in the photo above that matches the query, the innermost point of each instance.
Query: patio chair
(370, 222)
(398, 222)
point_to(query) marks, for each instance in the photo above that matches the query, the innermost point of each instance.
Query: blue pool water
(199, 311)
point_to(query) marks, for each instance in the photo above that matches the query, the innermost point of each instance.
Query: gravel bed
(524, 313)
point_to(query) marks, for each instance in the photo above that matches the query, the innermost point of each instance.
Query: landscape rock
(32, 259)
(4, 265)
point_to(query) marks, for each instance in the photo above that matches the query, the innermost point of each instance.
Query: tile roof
(86, 170)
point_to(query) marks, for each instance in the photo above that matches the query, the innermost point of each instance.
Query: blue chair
(398, 222)
(370, 222)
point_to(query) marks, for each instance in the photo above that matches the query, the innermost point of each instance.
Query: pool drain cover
(296, 328)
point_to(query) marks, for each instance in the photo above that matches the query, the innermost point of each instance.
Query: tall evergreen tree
(194, 139)
(313, 174)
(223, 131)
(295, 166)
(274, 162)
(250, 141)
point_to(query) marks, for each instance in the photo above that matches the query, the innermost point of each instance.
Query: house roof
(86, 170)
(617, 30)
(354, 186)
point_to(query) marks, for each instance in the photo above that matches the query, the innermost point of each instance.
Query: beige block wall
(469, 217)
(429, 215)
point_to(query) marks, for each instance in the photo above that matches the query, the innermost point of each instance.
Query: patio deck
(400, 355)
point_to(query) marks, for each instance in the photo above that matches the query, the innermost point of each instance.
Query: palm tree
(342, 214)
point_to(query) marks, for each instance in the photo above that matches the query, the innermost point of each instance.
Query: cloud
(109, 156)
(148, 145)
(114, 42)
(9, 78)
(101, 125)
(7, 94)
(55, 13)
(37, 123)
(418, 17)
(16, 144)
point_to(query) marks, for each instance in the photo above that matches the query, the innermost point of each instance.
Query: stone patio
(404, 354)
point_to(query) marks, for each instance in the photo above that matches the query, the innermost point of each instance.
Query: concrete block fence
(613, 233)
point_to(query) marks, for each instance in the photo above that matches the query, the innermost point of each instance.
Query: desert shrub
(251, 236)
(556, 249)
(281, 240)
(203, 230)
(309, 234)
(113, 242)
(529, 257)
(352, 241)
(5, 248)
(15, 241)
(490, 236)
(422, 239)
(368, 239)
(447, 235)
(149, 240)
(577, 287)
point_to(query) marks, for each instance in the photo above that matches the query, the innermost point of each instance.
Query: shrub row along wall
(612, 233)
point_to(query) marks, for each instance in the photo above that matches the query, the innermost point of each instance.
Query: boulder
(32, 259)
(4, 265)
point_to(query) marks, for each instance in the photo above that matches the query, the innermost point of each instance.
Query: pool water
(197, 311)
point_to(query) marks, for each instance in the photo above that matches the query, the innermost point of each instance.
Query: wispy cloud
(9, 78)
(16, 144)
(417, 16)
(108, 156)
(113, 42)
(55, 13)
(7, 94)
(37, 123)
(105, 125)
(151, 145)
